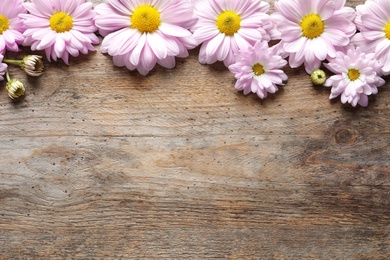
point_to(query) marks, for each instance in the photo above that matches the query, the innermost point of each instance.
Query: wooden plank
(99, 162)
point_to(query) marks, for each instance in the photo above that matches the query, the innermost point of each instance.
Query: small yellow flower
(15, 88)
(318, 77)
(32, 65)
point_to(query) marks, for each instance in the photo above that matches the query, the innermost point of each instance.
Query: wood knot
(346, 136)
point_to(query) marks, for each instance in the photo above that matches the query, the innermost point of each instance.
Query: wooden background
(100, 162)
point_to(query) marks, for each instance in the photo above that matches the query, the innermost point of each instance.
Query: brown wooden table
(100, 162)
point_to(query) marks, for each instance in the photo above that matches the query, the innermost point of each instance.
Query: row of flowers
(354, 44)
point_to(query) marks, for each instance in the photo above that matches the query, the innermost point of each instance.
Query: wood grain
(98, 162)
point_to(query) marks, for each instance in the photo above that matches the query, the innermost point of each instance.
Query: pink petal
(213, 45)
(174, 30)
(168, 62)
(135, 55)
(157, 45)
(59, 46)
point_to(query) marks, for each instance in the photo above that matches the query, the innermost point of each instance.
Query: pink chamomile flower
(3, 67)
(140, 33)
(356, 76)
(11, 26)
(258, 70)
(311, 30)
(226, 26)
(60, 27)
(373, 22)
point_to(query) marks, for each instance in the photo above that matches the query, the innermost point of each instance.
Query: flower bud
(32, 65)
(15, 88)
(318, 77)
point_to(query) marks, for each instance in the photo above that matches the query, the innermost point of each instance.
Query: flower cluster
(308, 33)
(353, 44)
(139, 34)
(57, 27)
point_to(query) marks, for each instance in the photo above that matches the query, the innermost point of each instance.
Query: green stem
(7, 76)
(14, 62)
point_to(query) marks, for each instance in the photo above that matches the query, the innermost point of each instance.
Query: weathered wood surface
(99, 162)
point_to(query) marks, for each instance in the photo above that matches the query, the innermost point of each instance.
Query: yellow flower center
(258, 69)
(312, 26)
(4, 24)
(387, 30)
(61, 22)
(228, 22)
(353, 74)
(145, 18)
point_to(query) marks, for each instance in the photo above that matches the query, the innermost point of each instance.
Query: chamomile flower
(373, 22)
(258, 70)
(225, 26)
(59, 27)
(356, 76)
(140, 33)
(311, 29)
(11, 26)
